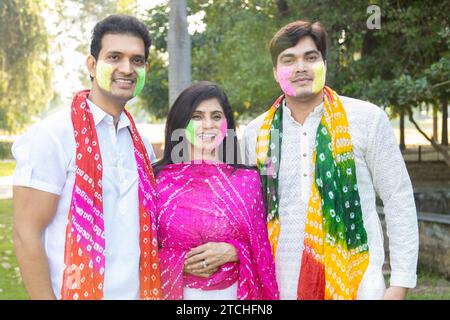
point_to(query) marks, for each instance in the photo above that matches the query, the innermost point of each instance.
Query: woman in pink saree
(212, 234)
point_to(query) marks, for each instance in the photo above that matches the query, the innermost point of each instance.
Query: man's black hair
(119, 24)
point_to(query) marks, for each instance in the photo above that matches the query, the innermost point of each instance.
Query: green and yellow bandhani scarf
(336, 253)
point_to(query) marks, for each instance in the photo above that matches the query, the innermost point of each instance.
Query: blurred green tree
(401, 66)
(25, 71)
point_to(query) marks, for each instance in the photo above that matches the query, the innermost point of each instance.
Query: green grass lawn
(11, 286)
(429, 286)
(7, 167)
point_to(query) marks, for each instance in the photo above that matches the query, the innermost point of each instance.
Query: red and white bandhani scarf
(84, 256)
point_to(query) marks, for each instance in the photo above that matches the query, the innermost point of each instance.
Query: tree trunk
(283, 8)
(179, 47)
(444, 140)
(440, 149)
(435, 124)
(402, 130)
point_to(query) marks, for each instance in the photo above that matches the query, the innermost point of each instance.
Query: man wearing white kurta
(380, 169)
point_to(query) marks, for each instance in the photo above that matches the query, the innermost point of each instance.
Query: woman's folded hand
(206, 259)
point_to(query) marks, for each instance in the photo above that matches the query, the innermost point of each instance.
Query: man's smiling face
(300, 70)
(121, 66)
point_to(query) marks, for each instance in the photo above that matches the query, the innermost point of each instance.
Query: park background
(394, 53)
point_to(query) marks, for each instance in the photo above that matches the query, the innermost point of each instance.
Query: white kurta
(380, 168)
(45, 160)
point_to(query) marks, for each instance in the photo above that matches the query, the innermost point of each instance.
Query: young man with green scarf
(322, 159)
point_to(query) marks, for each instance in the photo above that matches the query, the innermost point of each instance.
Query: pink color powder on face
(222, 134)
(283, 75)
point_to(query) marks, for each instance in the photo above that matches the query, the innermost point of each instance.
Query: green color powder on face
(191, 130)
(320, 72)
(140, 81)
(103, 74)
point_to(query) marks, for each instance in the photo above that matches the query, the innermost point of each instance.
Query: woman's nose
(207, 122)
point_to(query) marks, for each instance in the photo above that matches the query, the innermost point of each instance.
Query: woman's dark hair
(180, 114)
(119, 24)
(290, 35)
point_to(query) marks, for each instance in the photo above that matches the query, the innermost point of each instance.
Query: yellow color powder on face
(320, 71)
(103, 75)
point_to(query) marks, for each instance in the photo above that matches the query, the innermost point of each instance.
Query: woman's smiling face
(207, 127)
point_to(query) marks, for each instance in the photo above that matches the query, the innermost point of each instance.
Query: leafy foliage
(25, 72)
(404, 63)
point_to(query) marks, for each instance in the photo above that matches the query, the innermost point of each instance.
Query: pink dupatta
(199, 203)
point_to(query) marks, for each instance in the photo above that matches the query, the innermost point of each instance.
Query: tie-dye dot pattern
(336, 252)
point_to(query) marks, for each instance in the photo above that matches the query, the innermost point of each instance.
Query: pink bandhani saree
(208, 202)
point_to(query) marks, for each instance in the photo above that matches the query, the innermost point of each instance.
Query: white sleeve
(393, 185)
(248, 146)
(40, 161)
(243, 148)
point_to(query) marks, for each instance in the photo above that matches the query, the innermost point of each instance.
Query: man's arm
(33, 211)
